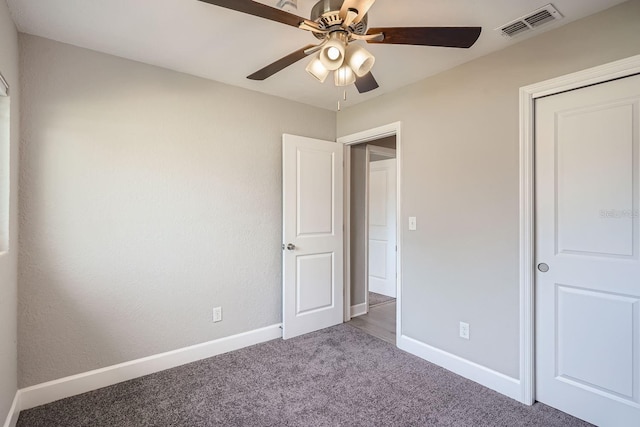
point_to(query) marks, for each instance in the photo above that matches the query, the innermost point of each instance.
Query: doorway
(372, 237)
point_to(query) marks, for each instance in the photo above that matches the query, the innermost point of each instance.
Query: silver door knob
(291, 247)
(542, 267)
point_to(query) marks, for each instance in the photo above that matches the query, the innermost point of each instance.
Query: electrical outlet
(217, 314)
(464, 330)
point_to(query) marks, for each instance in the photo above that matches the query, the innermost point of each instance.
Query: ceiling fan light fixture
(332, 54)
(338, 23)
(317, 70)
(359, 59)
(344, 76)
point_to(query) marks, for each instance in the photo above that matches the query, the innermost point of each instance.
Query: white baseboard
(358, 310)
(14, 412)
(51, 391)
(463, 367)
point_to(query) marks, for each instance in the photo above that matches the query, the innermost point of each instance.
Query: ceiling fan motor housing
(327, 14)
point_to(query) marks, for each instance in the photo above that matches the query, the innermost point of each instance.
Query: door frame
(528, 95)
(390, 153)
(359, 138)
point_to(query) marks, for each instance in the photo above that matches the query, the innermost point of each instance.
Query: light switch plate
(413, 225)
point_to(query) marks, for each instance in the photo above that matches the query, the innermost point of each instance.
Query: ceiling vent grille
(531, 21)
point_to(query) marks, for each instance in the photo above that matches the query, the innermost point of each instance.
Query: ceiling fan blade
(361, 6)
(280, 64)
(258, 9)
(366, 83)
(463, 37)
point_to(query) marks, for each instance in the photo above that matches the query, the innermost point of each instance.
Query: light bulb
(344, 76)
(333, 53)
(317, 70)
(359, 59)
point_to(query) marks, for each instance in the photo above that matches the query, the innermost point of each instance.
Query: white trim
(390, 153)
(367, 172)
(359, 309)
(347, 235)
(528, 95)
(14, 411)
(463, 367)
(370, 135)
(51, 391)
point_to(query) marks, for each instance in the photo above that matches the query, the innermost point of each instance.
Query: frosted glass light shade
(344, 76)
(317, 70)
(333, 51)
(359, 59)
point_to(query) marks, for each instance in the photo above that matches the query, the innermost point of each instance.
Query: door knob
(543, 267)
(291, 247)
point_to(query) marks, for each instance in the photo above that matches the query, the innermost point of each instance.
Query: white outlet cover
(217, 314)
(464, 330)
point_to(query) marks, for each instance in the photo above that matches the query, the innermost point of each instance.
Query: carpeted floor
(339, 376)
(377, 299)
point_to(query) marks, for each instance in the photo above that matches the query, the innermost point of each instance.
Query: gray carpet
(339, 376)
(377, 299)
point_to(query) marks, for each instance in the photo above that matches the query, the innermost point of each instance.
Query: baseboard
(51, 391)
(358, 310)
(14, 412)
(481, 374)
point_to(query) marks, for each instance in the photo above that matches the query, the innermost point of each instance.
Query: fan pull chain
(344, 98)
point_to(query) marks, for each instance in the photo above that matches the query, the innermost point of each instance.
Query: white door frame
(528, 95)
(359, 138)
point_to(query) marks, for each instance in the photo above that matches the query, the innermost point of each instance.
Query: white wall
(9, 259)
(460, 179)
(148, 198)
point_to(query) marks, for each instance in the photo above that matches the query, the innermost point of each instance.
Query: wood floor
(379, 322)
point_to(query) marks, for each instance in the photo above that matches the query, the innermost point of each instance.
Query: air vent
(531, 21)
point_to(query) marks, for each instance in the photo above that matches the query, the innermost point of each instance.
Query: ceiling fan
(338, 24)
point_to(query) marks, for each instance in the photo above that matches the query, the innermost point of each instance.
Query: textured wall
(148, 197)
(460, 178)
(9, 259)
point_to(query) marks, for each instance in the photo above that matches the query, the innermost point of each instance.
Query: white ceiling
(226, 46)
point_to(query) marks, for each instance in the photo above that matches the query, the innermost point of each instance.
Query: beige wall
(149, 197)
(460, 179)
(9, 259)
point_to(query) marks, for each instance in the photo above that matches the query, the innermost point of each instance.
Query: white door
(587, 234)
(312, 235)
(382, 227)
